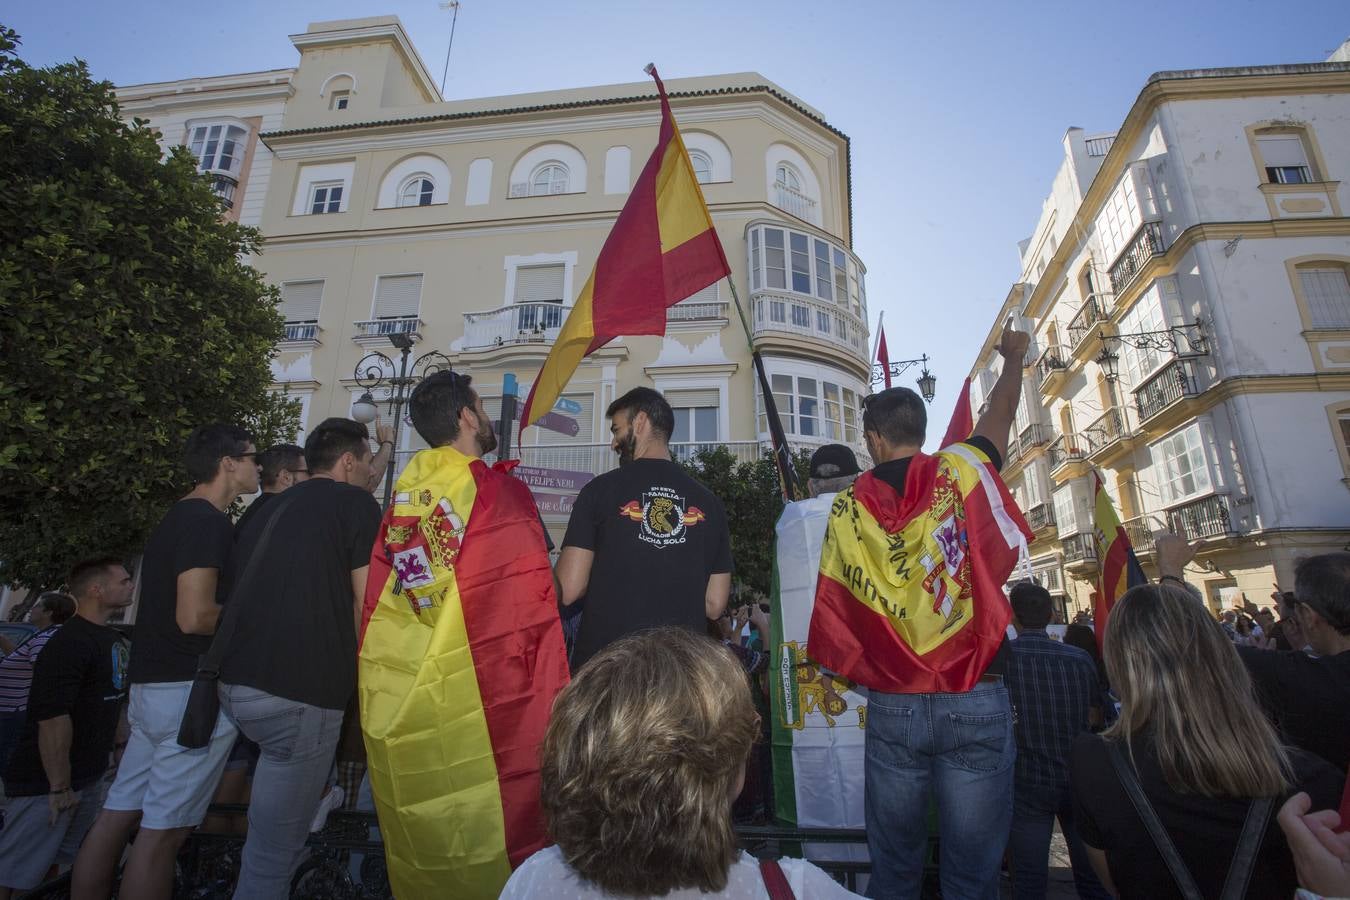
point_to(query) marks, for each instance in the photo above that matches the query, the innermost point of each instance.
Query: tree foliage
(754, 501)
(127, 317)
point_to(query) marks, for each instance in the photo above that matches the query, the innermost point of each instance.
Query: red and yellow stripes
(457, 677)
(1120, 569)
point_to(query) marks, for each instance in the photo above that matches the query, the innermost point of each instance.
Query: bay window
(1181, 465)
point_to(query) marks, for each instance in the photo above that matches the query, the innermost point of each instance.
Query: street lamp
(927, 385)
(927, 381)
(375, 370)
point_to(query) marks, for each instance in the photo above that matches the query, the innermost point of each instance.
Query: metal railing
(1146, 244)
(696, 312)
(1065, 449)
(1140, 530)
(1203, 518)
(384, 327)
(1106, 430)
(797, 314)
(1031, 436)
(1042, 515)
(1080, 326)
(300, 331)
(1054, 359)
(1079, 548)
(1099, 145)
(224, 186)
(519, 323)
(794, 202)
(1167, 386)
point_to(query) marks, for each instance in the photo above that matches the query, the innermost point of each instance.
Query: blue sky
(955, 109)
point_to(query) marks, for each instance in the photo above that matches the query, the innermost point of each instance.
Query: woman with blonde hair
(1177, 799)
(643, 757)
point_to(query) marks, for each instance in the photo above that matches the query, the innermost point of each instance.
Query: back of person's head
(1031, 604)
(58, 605)
(207, 445)
(278, 459)
(643, 752)
(1179, 677)
(436, 403)
(326, 444)
(833, 468)
(896, 415)
(646, 400)
(1323, 583)
(1082, 637)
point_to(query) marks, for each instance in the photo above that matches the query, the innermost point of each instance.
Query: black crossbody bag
(1244, 855)
(203, 704)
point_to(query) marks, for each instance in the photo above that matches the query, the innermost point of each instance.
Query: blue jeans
(297, 743)
(1033, 820)
(960, 747)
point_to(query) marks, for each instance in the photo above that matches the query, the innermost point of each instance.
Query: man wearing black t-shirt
(279, 467)
(289, 666)
(55, 776)
(646, 544)
(161, 786)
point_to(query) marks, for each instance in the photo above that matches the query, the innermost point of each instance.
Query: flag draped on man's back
(461, 657)
(1120, 569)
(662, 249)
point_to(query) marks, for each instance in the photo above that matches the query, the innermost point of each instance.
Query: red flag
(962, 423)
(1120, 569)
(884, 357)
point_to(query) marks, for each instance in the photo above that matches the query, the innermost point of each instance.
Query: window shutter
(398, 296)
(300, 300)
(536, 284)
(694, 398)
(1328, 294)
(708, 295)
(1280, 150)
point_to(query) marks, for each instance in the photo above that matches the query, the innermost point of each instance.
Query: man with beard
(646, 545)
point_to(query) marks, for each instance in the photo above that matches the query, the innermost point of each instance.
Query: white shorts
(170, 785)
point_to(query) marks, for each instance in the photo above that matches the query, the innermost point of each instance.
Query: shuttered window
(708, 295)
(705, 397)
(300, 300)
(1328, 294)
(538, 284)
(398, 296)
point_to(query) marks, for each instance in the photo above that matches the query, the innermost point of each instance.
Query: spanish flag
(1119, 567)
(661, 250)
(461, 657)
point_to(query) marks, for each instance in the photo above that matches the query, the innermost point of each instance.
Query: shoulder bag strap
(210, 661)
(1161, 840)
(775, 882)
(1244, 856)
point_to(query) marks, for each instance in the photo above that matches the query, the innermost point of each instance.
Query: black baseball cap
(833, 461)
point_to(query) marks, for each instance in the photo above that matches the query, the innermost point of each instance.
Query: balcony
(794, 202)
(797, 316)
(697, 312)
(1085, 322)
(1167, 386)
(300, 333)
(1204, 518)
(377, 331)
(1140, 530)
(1106, 431)
(1054, 362)
(224, 186)
(1040, 516)
(1080, 551)
(1030, 437)
(1065, 450)
(1146, 244)
(519, 323)
(1099, 145)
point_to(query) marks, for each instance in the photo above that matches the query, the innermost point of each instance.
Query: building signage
(551, 479)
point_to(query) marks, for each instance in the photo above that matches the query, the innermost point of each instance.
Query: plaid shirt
(1052, 687)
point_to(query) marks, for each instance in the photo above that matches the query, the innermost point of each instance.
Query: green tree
(754, 501)
(127, 317)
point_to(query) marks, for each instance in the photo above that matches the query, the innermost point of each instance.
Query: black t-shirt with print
(657, 535)
(295, 636)
(192, 535)
(81, 673)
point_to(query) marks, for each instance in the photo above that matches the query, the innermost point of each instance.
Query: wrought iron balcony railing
(1203, 518)
(1167, 386)
(1055, 359)
(1042, 515)
(1065, 449)
(519, 323)
(300, 331)
(1140, 531)
(1079, 548)
(1106, 430)
(375, 328)
(1146, 244)
(1090, 314)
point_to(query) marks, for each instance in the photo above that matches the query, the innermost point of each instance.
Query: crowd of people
(1190, 757)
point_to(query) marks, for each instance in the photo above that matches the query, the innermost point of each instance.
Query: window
(775, 261)
(218, 148)
(703, 166)
(805, 264)
(300, 301)
(1129, 206)
(1327, 292)
(801, 262)
(416, 191)
(550, 178)
(326, 198)
(1146, 315)
(811, 407)
(1064, 510)
(784, 399)
(787, 177)
(1181, 467)
(338, 100)
(755, 277)
(398, 296)
(1285, 158)
(539, 284)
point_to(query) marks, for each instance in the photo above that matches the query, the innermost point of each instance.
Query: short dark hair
(334, 437)
(58, 605)
(207, 445)
(1323, 583)
(278, 459)
(88, 571)
(1031, 604)
(646, 400)
(896, 415)
(436, 403)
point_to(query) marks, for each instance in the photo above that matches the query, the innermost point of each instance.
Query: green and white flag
(818, 717)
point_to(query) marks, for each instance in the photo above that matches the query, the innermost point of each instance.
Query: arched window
(787, 177)
(550, 178)
(416, 191)
(703, 167)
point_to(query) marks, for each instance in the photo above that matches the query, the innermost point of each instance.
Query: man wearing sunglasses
(281, 466)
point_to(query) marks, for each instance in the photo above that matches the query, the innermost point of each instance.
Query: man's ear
(643, 427)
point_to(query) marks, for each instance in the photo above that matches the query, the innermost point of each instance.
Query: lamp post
(376, 370)
(927, 381)
(1182, 341)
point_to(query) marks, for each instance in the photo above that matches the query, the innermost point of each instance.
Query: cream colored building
(471, 225)
(1187, 289)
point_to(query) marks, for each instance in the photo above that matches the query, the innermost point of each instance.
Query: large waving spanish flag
(661, 250)
(461, 658)
(1120, 569)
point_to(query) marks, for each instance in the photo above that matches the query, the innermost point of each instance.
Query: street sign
(552, 479)
(571, 407)
(561, 424)
(554, 504)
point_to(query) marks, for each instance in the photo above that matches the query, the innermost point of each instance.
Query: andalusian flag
(910, 597)
(1119, 567)
(662, 249)
(461, 658)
